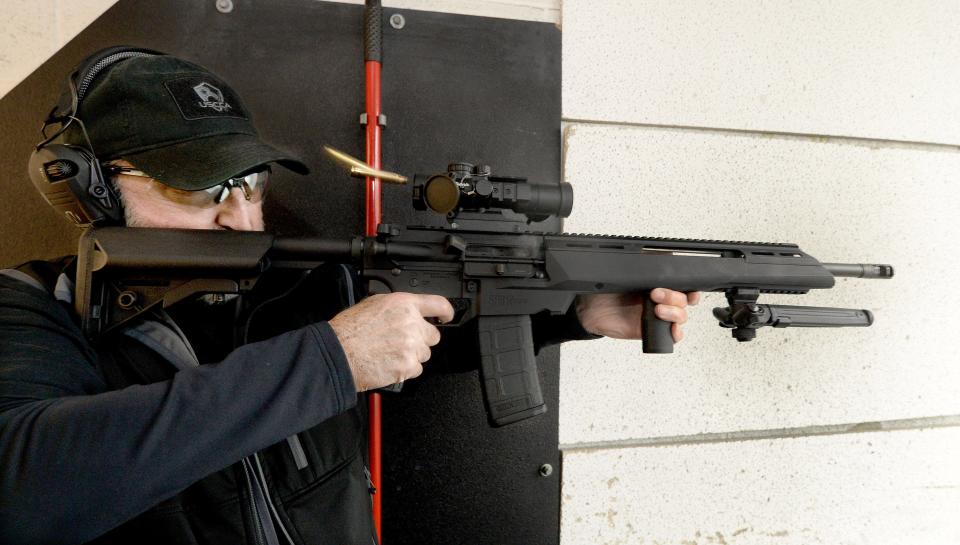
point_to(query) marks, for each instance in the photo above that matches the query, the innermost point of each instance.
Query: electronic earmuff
(68, 174)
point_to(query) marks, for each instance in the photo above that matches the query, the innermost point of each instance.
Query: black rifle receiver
(499, 276)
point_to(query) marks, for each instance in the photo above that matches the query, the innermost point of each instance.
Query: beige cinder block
(872, 69)
(76, 16)
(841, 201)
(36, 29)
(30, 35)
(855, 489)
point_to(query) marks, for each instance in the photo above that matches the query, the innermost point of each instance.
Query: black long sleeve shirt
(77, 459)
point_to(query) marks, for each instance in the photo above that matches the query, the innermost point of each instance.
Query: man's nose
(239, 214)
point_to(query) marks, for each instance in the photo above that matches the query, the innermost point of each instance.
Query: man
(164, 432)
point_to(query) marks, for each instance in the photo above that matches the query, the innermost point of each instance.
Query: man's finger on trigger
(435, 306)
(693, 297)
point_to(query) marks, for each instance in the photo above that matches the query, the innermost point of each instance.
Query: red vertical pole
(372, 42)
(373, 144)
(372, 220)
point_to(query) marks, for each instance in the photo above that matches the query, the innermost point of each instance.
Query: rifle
(495, 271)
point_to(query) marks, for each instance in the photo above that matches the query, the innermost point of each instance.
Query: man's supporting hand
(619, 315)
(386, 337)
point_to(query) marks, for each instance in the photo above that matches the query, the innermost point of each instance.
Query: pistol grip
(508, 369)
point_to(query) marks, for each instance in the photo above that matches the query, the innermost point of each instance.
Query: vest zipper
(269, 500)
(259, 533)
(263, 503)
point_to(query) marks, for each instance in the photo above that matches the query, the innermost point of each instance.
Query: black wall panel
(455, 88)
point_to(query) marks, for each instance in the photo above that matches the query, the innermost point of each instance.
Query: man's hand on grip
(620, 315)
(387, 338)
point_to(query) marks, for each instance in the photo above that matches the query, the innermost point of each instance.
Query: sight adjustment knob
(460, 169)
(481, 170)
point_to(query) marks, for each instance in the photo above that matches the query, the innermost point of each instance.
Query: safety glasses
(253, 185)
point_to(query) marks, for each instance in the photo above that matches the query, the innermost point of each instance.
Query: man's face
(149, 203)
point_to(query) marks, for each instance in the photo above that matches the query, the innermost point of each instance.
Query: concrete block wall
(835, 125)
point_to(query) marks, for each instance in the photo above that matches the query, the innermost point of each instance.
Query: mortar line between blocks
(806, 137)
(781, 433)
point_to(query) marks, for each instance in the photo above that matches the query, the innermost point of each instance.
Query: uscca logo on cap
(198, 98)
(210, 97)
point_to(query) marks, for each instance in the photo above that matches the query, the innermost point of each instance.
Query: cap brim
(206, 162)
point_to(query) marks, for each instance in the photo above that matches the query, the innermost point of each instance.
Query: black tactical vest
(312, 489)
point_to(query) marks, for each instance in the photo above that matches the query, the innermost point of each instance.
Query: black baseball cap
(176, 121)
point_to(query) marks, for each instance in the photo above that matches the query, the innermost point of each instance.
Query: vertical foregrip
(508, 369)
(657, 337)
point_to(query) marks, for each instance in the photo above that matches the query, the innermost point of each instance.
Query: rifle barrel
(859, 270)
